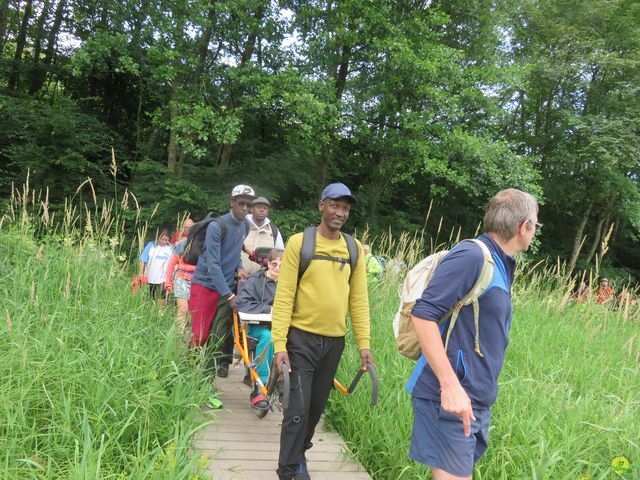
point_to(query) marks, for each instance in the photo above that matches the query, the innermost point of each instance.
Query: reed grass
(96, 383)
(569, 400)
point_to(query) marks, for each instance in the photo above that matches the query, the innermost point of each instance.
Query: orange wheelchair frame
(241, 340)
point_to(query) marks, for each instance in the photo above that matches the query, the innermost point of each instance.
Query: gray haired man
(453, 390)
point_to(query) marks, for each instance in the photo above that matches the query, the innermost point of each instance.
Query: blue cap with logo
(335, 191)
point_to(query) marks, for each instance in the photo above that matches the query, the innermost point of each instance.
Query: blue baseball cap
(335, 191)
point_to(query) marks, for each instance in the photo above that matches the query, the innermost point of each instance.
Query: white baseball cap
(244, 190)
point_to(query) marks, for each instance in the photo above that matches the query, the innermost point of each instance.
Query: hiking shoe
(302, 473)
(223, 370)
(247, 380)
(259, 401)
(213, 401)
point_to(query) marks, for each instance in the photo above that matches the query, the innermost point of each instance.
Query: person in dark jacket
(257, 297)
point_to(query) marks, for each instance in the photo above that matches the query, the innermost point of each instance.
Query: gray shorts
(438, 438)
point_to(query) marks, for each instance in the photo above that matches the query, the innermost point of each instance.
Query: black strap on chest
(308, 252)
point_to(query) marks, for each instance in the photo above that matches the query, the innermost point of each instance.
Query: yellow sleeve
(285, 293)
(359, 302)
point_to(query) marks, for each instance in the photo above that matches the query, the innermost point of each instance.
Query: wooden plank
(211, 445)
(242, 446)
(260, 475)
(269, 465)
(251, 454)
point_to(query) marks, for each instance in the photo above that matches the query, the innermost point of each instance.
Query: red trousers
(211, 314)
(203, 305)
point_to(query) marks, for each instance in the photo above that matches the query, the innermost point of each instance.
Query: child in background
(153, 265)
(178, 281)
(374, 269)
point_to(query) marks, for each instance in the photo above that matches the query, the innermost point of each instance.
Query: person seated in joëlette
(257, 297)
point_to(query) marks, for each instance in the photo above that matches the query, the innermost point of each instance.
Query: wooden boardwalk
(241, 446)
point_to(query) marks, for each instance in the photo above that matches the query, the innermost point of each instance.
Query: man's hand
(365, 356)
(454, 399)
(242, 275)
(231, 300)
(280, 358)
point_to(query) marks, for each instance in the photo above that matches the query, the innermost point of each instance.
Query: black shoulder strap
(307, 250)
(353, 251)
(196, 229)
(223, 228)
(274, 232)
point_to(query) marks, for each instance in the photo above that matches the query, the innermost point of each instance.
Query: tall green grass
(95, 382)
(569, 394)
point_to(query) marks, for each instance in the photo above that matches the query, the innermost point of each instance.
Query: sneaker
(213, 401)
(302, 473)
(259, 401)
(223, 370)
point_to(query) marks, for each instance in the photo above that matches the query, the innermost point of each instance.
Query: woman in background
(153, 265)
(178, 280)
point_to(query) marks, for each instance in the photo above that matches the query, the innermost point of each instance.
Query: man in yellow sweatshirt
(309, 324)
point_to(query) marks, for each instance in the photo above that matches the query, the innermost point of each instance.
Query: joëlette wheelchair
(277, 388)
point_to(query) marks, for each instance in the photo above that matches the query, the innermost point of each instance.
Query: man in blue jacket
(215, 276)
(452, 391)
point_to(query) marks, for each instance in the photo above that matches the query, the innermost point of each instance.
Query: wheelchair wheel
(280, 390)
(263, 412)
(277, 391)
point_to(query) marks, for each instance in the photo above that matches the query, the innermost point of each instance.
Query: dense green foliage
(568, 394)
(95, 383)
(413, 104)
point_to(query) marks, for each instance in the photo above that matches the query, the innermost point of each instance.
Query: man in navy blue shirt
(453, 390)
(212, 299)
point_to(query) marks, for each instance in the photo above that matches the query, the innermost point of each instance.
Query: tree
(20, 45)
(577, 109)
(42, 68)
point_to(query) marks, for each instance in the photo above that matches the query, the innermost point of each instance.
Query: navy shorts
(438, 438)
